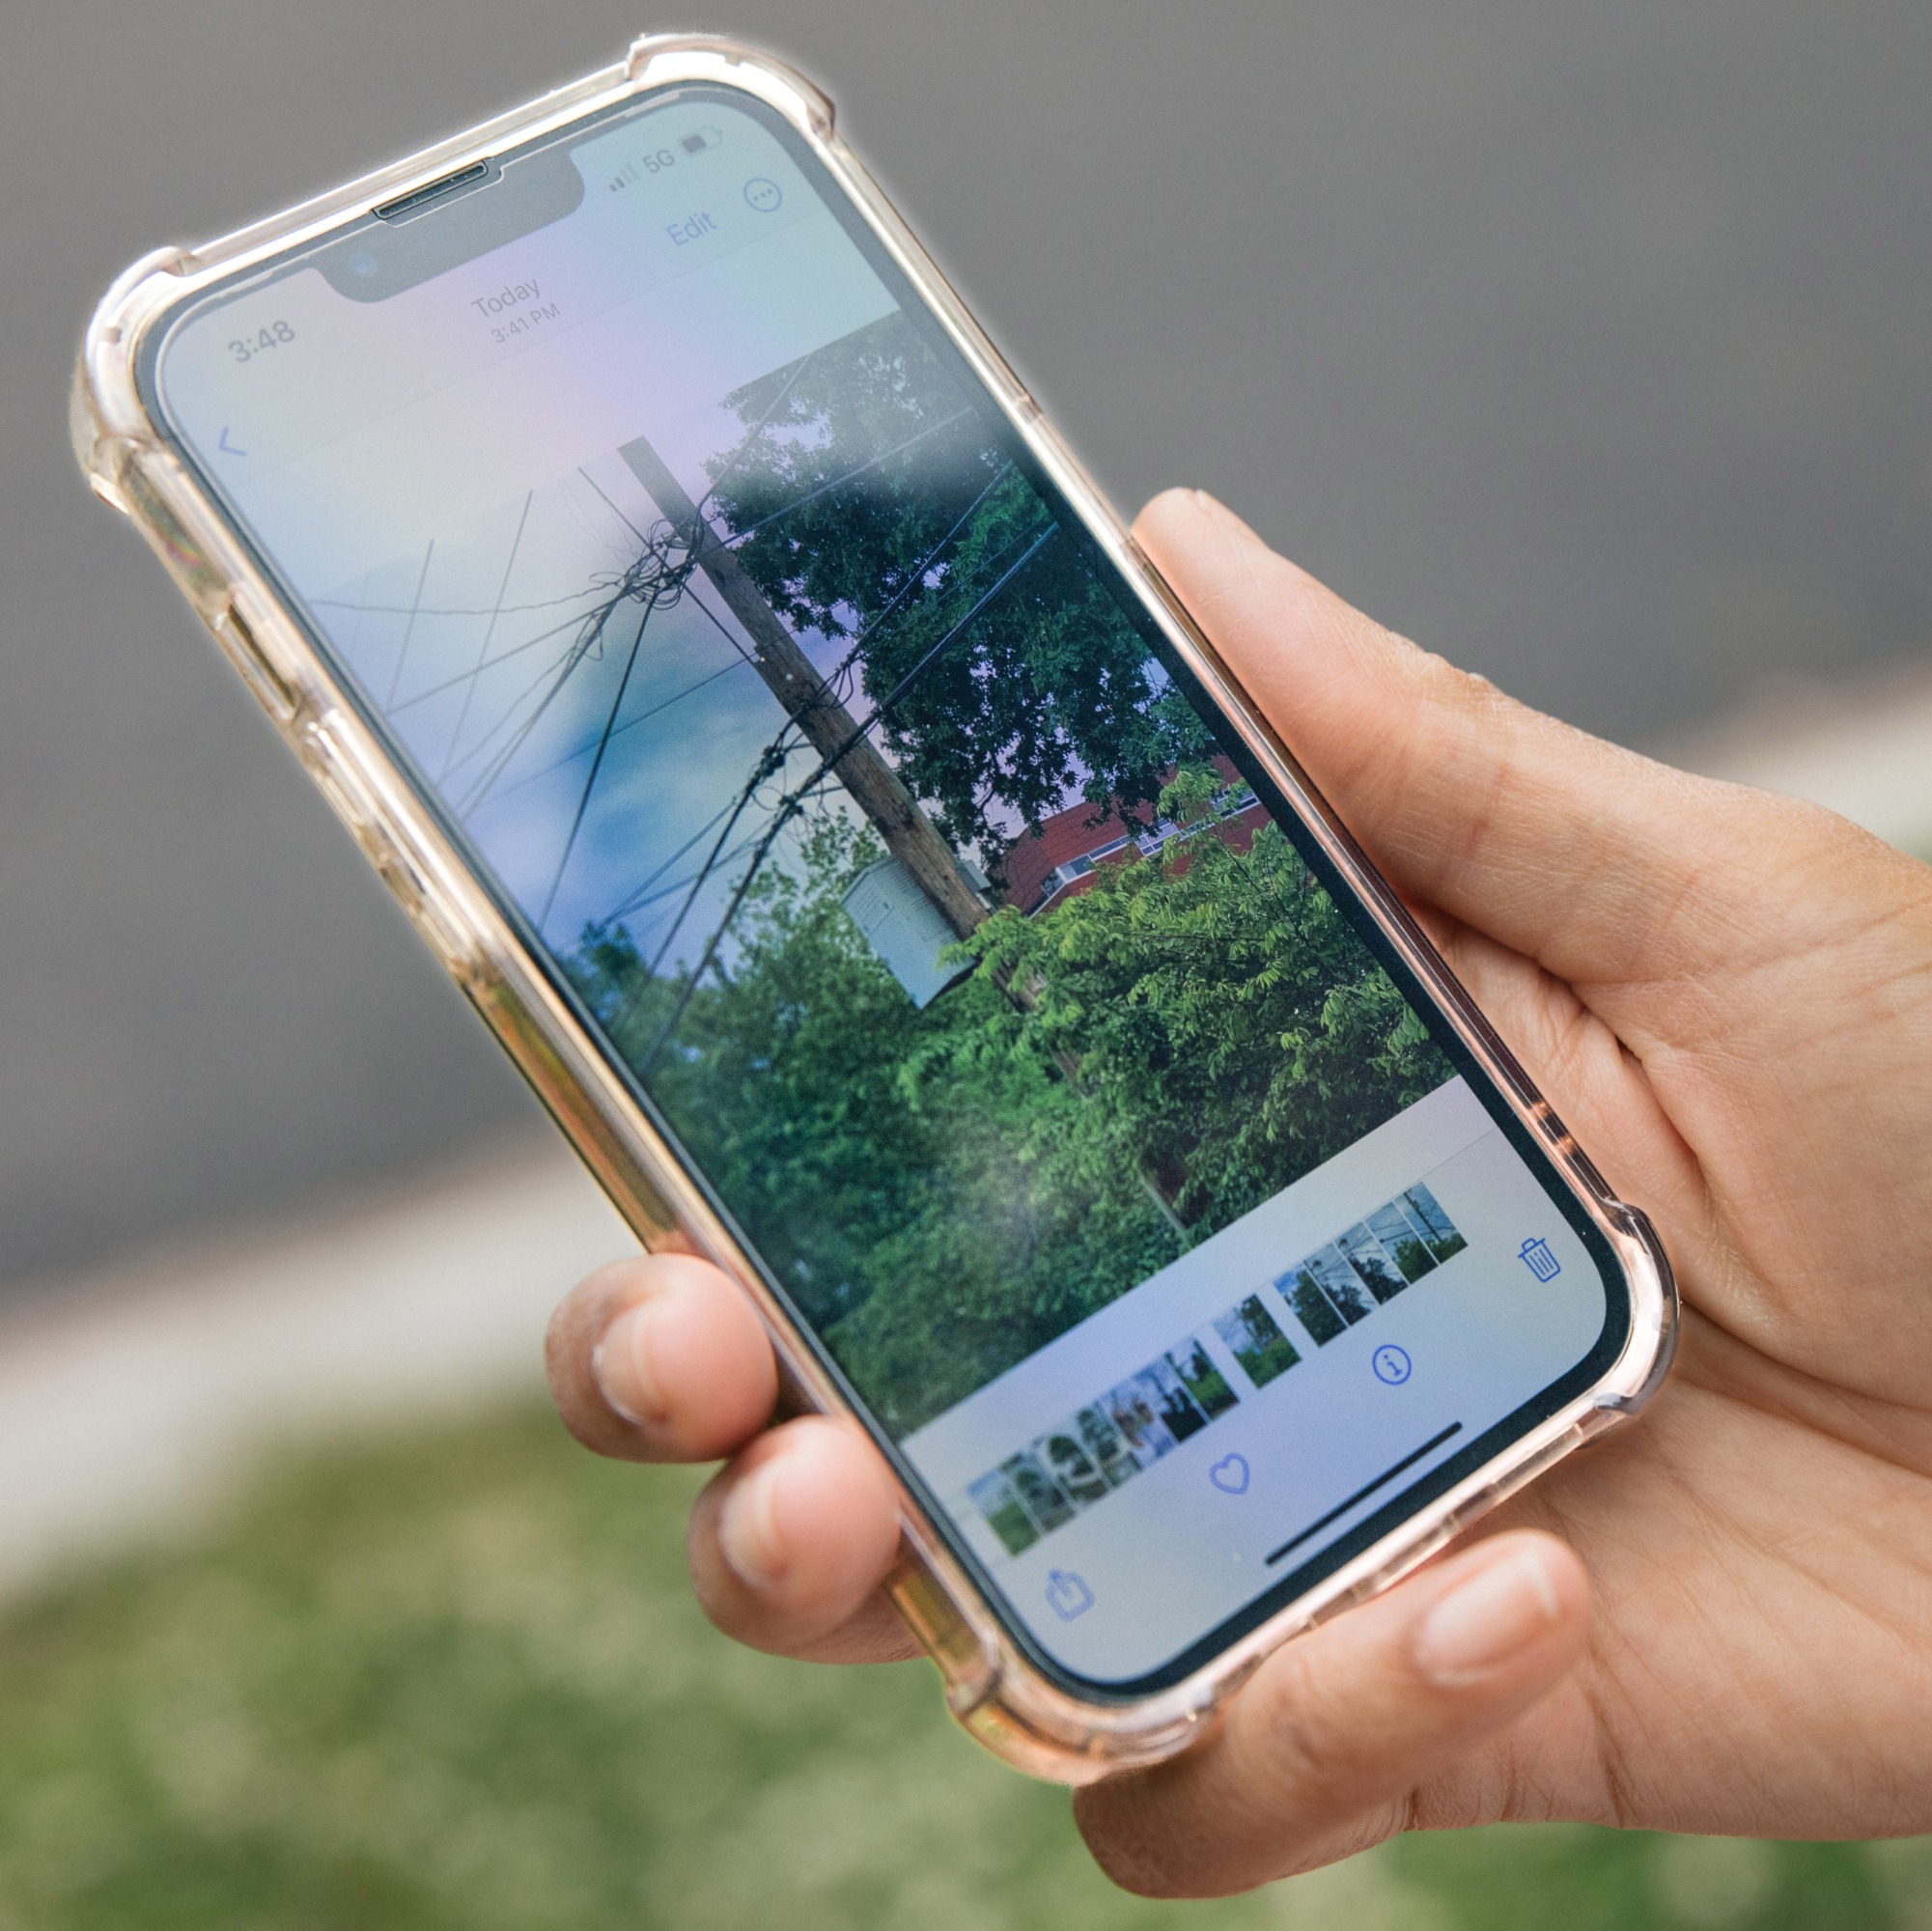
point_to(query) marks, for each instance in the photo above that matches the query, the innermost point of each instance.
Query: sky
(437, 474)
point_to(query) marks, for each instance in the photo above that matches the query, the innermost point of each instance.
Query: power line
(791, 806)
(764, 767)
(408, 629)
(596, 764)
(839, 482)
(771, 761)
(641, 900)
(651, 579)
(489, 630)
(914, 577)
(502, 658)
(758, 427)
(445, 609)
(628, 724)
(626, 587)
(640, 893)
(738, 662)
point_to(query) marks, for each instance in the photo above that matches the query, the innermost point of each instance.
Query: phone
(879, 877)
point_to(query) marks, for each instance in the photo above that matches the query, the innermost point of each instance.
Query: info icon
(1391, 1364)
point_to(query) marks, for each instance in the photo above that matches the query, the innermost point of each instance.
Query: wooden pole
(909, 835)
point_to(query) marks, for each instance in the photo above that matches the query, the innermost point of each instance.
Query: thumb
(1319, 1753)
(1571, 851)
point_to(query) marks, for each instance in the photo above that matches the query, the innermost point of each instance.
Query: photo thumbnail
(1253, 1337)
(1386, 1251)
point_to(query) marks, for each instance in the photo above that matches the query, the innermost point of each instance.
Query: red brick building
(1059, 860)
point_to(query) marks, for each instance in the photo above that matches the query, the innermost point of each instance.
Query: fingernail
(1482, 1623)
(747, 1529)
(620, 1365)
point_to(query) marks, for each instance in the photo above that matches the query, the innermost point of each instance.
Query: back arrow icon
(227, 448)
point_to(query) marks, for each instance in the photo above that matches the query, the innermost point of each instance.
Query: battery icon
(705, 137)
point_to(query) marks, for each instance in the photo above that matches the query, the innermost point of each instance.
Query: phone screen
(1161, 1230)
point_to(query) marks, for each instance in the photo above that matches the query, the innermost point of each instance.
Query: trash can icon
(1535, 1255)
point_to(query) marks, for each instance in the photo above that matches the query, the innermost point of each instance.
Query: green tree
(1217, 1004)
(933, 1195)
(870, 502)
(783, 1078)
(933, 1191)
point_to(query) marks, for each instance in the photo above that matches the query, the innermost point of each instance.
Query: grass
(456, 1684)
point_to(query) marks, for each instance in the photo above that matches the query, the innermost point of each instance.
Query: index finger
(1564, 847)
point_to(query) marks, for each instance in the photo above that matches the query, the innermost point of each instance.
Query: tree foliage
(943, 1192)
(870, 503)
(1218, 999)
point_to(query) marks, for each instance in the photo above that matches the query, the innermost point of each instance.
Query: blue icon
(762, 195)
(1391, 1364)
(1067, 1595)
(1230, 1475)
(227, 448)
(1535, 1255)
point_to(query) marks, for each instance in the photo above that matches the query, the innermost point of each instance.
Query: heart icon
(1230, 1475)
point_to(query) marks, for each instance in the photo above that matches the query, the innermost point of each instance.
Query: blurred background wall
(1586, 345)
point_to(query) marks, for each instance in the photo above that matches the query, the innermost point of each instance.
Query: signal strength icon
(693, 142)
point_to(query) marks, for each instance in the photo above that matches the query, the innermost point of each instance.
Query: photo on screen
(1367, 1256)
(1254, 1338)
(1134, 1410)
(906, 958)
(1204, 1381)
(1004, 1512)
(1070, 1467)
(1402, 1241)
(1038, 1489)
(1436, 1227)
(1340, 1283)
(1167, 1394)
(1105, 1447)
(1312, 1307)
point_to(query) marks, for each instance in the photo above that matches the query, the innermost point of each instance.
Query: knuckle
(1128, 1836)
(1292, 1722)
(1327, 1727)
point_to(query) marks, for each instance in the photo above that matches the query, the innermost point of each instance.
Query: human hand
(1729, 996)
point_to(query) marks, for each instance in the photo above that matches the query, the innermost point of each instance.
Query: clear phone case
(991, 1686)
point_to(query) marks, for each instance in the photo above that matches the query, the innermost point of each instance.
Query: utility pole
(831, 729)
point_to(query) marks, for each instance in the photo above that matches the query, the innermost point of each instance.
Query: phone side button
(432, 920)
(441, 929)
(337, 770)
(244, 650)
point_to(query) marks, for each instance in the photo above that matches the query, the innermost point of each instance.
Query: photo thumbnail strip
(1143, 1420)
(1367, 1265)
